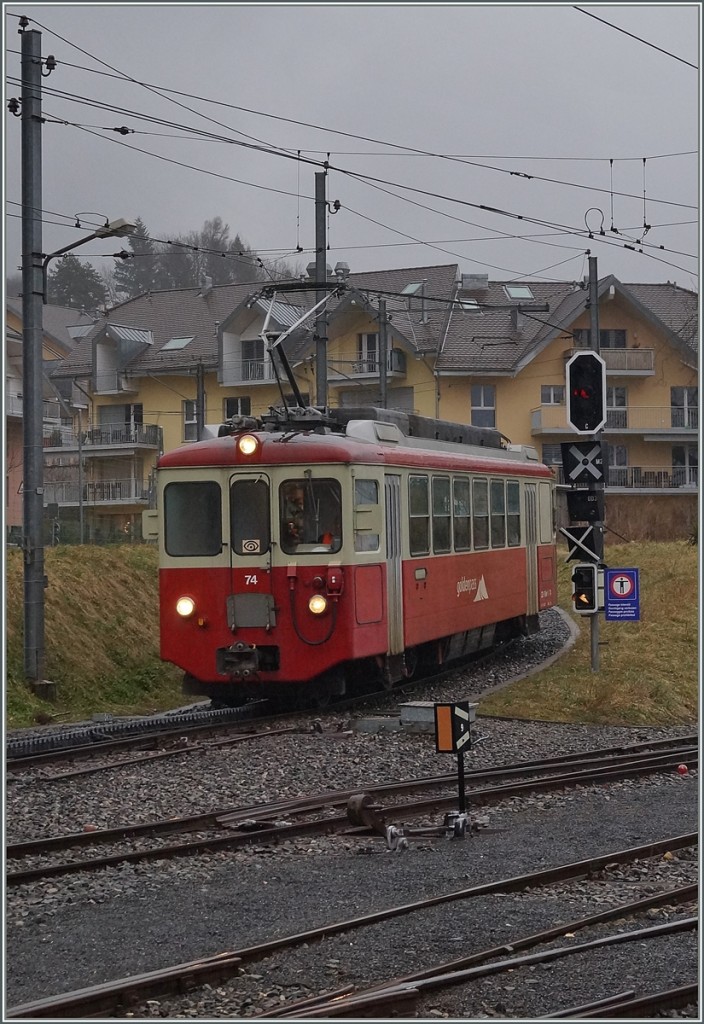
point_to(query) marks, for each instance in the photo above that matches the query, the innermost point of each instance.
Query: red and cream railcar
(307, 555)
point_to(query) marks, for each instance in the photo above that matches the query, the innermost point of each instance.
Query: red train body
(311, 554)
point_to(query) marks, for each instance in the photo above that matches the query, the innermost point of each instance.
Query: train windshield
(193, 519)
(310, 515)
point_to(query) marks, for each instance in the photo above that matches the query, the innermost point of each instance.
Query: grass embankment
(102, 643)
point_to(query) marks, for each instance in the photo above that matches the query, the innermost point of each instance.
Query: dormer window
(519, 291)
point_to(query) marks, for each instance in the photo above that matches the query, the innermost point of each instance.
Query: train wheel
(410, 662)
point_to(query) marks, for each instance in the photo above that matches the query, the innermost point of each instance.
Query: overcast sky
(514, 94)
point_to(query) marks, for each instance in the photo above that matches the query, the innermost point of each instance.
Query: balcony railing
(99, 492)
(646, 478)
(552, 419)
(14, 406)
(247, 371)
(629, 361)
(113, 382)
(110, 435)
(370, 367)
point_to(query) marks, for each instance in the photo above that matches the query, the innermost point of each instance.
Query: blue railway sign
(622, 595)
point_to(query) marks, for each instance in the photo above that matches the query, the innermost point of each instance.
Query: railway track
(563, 941)
(231, 827)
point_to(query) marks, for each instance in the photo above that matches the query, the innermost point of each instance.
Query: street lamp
(111, 229)
(34, 262)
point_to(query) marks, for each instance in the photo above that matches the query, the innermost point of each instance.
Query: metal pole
(32, 331)
(383, 350)
(598, 526)
(460, 782)
(321, 322)
(80, 476)
(200, 401)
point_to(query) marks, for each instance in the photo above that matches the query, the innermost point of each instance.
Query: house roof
(56, 321)
(478, 331)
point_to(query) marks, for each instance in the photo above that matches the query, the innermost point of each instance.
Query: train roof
(365, 435)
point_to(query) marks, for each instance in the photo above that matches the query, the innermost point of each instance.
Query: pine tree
(75, 284)
(141, 272)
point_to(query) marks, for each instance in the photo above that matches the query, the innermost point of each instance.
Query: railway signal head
(586, 392)
(585, 593)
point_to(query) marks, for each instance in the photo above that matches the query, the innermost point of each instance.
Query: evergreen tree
(141, 272)
(75, 284)
(209, 253)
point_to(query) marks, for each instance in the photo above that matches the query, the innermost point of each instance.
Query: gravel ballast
(71, 932)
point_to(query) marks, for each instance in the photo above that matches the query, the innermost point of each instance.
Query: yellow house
(159, 370)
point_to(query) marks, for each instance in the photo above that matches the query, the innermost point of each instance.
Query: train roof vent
(527, 450)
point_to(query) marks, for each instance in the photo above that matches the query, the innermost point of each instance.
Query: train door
(531, 548)
(250, 602)
(394, 584)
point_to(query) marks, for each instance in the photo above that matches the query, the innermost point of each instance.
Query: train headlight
(318, 604)
(185, 606)
(248, 444)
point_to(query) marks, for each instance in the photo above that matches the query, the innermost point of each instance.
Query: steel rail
(326, 824)
(626, 1004)
(228, 815)
(93, 1000)
(464, 975)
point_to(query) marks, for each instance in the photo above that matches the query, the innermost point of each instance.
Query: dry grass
(102, 643)
(648, 670)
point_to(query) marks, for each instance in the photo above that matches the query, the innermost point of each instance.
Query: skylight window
(518, 291)
(469, 305)
(176, 343)
(411, 289)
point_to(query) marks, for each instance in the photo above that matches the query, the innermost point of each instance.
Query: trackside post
(453, 734)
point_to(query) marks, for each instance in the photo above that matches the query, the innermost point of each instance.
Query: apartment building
(455, 346)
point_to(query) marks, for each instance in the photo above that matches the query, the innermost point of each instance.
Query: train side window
(193, 519)
(419, 515)
(480, 514)
(498, 514)
(513, 513)
(366, 493)
(441, 514)
(249, 517)
(461, 514)
(547, 513)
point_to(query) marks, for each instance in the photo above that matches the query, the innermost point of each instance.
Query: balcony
(342, 370)
(14, 407)
(113, 382)
(247, 371)
(646, 478)
(104, 493)
(670, 421)
(96, 440)
(624, 362)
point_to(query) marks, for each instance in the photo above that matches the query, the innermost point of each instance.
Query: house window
(190, 423)
(608, 338)
(483, 398)
(552, 454)
(237, 407)
(552, 394)
(685, 407)
(253, 359)
(685, 465)
(616, 412)
(616, 456)
(367, 348)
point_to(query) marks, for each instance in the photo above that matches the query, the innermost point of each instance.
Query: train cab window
(249, 517)
(498, 514)
(419, 515)
(461, 522)
(480, 514)
(310, 516)
(441, 514)
(513, 513)
(366, 494)
(192, 519)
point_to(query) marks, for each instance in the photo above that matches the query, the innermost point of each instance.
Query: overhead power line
(637, 38)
